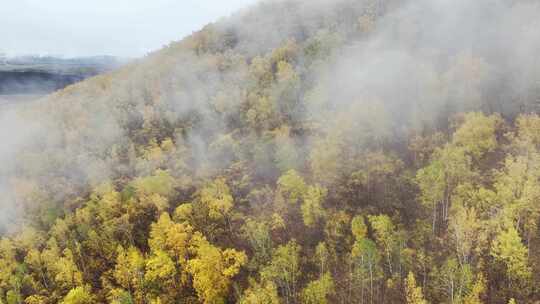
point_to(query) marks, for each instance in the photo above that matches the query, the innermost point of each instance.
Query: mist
(296, 151)
(394, 70)
(17, 133)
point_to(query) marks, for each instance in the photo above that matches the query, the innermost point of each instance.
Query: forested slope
(344, 151)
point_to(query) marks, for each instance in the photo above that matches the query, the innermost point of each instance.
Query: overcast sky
(127, 28)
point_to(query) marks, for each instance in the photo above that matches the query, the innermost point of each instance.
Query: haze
(124, 28)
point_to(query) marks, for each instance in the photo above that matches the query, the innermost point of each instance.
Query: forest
(296, 152)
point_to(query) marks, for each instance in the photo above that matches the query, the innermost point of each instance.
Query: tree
(324, 160)
(260, 294)
(173, 238)
(260, 240)
(35, 299)
(365, 266)
(450, 166)
(292, 186)
(466, 229)
(284, 269)
(431, 182)
(66, 272)
(517, 190)
(161, 182)
(212, 270)
(161, 272)
(477, 291)
(477, 134)
(337, 232)
(312, 210)
(155, 190)
(129, 270)
(212, 210)
(386, 237)
(526, 141)
(323, 256)
(79, 295)
(119, 296)
(217, 197)
(286, 155)
(263, 112)
(13, 297)
(318, 291)
(508, 249)
(358, 227)
(454, 279)
(413, 293)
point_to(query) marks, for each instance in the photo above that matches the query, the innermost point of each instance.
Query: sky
(124, 28)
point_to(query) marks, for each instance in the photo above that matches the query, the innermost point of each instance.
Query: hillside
(374, 151)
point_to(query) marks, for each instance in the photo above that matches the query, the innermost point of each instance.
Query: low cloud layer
(404, 67)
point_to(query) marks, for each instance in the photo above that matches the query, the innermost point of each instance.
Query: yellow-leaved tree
(212, 270)
(412, 292)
